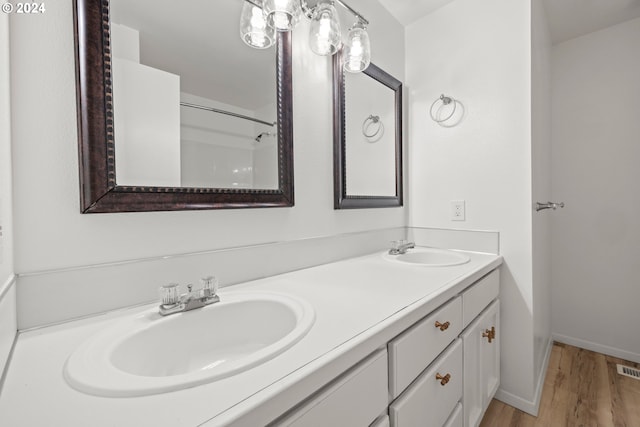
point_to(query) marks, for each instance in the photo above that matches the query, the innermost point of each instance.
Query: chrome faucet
(401, 247)
(174, 302)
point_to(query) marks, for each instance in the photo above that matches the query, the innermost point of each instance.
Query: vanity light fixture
(283, 15)
(357, 50)
(254, 30)
(325, 36)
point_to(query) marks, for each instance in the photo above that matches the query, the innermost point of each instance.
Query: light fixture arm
(309, 5)
(353, 12)
(255, 3)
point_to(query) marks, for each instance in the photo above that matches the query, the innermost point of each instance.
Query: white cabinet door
(355, 399)
(457, 417)
(381, 422)
(490, 354)
(472, 366)
(481, 363)
(431, 398)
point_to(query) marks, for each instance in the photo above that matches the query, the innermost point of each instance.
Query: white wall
(146, 125)
(265, 152)
(51, 234)
(7, 290)
(596, 128)
(541, 185)
(365, 97)
(265, 156)
(146, 120)
(217, 149)
(479, 53)
(211, 165)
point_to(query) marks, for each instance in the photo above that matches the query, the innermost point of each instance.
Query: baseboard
(529, 406)
(5, 368)
(4, 288)
(598, 348)
(8, 324)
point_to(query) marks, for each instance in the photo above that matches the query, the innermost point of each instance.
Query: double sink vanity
(402, 340)
(407, 337)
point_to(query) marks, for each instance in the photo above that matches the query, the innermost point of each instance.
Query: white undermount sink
(150, 354)
(430, 257)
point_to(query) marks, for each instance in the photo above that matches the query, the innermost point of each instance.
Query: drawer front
(381, 422)
(457, 417)
(479, 295)
(355, 399)
(412, 351)
(427, 402)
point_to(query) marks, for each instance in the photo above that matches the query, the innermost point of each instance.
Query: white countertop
(360, 304)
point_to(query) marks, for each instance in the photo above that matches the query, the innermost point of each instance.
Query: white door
(481, 364)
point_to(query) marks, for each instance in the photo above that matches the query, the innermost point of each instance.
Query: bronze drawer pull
(490, 334)
(443, 326)
(443, 380)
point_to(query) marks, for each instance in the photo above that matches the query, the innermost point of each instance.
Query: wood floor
(581, 389)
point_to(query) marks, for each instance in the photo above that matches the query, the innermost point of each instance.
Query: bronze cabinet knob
(490, 333)
(443, 380)
(443, 326)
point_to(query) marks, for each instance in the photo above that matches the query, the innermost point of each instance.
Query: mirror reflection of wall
(222, 151)
(170, 70)
(370, 152)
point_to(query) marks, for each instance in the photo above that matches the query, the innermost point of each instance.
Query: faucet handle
(209, 285)
(170, 294)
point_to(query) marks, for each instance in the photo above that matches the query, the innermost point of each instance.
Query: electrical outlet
(457, 210)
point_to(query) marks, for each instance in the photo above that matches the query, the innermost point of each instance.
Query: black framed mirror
(367, 135)
(102, 190)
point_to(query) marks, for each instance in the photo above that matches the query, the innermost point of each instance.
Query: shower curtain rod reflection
(228, 113)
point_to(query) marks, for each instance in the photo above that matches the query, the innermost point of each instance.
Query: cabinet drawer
(413, 350)
(427, 402)
(381, 422)
(479, 295)
(456, 419)
(355, 399)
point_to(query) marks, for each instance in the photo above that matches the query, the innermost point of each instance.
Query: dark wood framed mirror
(367, 135)
(100, 190)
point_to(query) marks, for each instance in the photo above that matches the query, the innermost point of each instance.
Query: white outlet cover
(458, 210)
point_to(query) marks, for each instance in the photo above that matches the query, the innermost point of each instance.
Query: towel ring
(446, 100)
(368, 122)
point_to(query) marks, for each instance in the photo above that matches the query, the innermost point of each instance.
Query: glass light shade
(254, 29)
(282, 15)
(357, 50)
(325, 37)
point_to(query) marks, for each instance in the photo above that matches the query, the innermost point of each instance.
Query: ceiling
(567, 18)
(202, 41)
(408, 11)
(573, 18)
